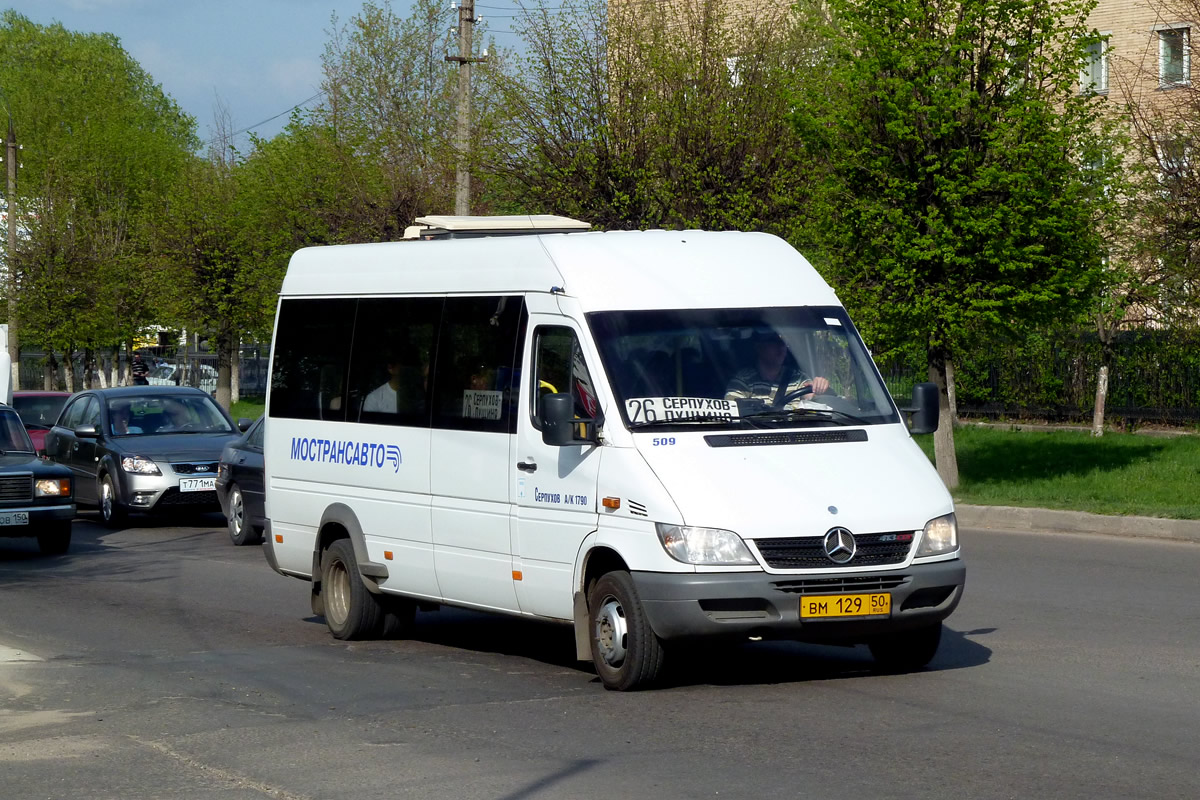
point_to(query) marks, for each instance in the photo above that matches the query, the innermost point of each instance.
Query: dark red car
(39, 411)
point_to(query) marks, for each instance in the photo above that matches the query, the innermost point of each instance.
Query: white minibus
(653, 436)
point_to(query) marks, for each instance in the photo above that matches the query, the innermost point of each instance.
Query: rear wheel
(54, 538)
(627, 653)
(111, 511)
(240, 532)
(908, 650)
(351, 612)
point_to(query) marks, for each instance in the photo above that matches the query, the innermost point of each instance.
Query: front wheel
(908, 650)
(111, 511)
(351, 612)
(55, 538)
(627, 653)
(240, 533)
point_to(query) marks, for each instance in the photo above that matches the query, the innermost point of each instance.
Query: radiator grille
(196, 468)
(16, 488)
(847, 583)
(808, 552)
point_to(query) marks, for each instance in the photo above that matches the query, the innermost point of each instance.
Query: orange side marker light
(387, 555)
(517, 575)
(279, 538)
(611, 502)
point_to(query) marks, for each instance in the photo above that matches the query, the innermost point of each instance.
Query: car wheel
(627, 653)
(351, 612)
(111, 511)
(240, 531)
(908, 650)
(54, 538)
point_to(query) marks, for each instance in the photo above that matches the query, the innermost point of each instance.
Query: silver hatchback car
(142, 448)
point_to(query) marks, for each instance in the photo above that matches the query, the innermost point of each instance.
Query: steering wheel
(187, 426)
(795, 395)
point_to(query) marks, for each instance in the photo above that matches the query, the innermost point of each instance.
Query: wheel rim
(337, 589)
(611, 632)
(235, 512)
(106, 499)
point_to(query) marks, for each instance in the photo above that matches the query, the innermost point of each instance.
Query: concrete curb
(1043, 519)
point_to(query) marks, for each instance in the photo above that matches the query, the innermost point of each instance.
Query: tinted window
(312, 354)
(255, 439)
(394, 344)
(74, 413)
(166, 414)
(559, 368)
(12, 433)
(477, 363)
(39, 410)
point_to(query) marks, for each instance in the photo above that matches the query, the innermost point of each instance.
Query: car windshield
(148, 415)
(13, 437)
(740, 368)
(39, 411)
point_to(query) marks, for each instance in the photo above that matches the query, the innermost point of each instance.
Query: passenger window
(477, 363)
(74, 413)
(394, 339)
(312, 353)
(91, 414)
(559, 368)
(255, 439)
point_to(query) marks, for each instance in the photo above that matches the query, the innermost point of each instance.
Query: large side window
(72, 418)
(394, 343)
(312, 352)
(559, 368)
(477, 363)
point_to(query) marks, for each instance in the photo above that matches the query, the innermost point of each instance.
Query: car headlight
(940, 536)
(52, 487)
(139, 465)
(708, 546)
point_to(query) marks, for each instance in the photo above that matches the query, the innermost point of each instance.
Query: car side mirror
(244, 424)
(560, 426)
(924, 416)
(86, 432)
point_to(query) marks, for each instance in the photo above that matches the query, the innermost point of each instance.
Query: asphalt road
(174, 665)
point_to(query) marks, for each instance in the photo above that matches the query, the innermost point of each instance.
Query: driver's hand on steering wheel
(819, 385)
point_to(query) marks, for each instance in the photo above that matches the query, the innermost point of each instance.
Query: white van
(654, 436)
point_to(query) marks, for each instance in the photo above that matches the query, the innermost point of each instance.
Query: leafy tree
(966, 172)
(631, 119)
(100, 137)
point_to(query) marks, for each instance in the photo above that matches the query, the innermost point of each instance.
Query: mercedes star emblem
(840, 546)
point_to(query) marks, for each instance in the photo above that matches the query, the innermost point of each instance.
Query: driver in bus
(761, 381)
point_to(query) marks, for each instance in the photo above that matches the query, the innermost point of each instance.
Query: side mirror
(243, 424)
(560, 426)
(925, 410)
(86, 432)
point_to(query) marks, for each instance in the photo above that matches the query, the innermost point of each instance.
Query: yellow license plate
(818, 606)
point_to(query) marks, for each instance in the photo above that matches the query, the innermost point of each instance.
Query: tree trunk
(115, 380)
(128, 372)
(102, 371)
(89, 358)
(945, 458)
(69, 368)
(951, 394)
(1101, 397)
(235, 377)
(50, 372)
(225, 348)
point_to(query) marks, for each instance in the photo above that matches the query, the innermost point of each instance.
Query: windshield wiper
(830, 414)
(682, 420)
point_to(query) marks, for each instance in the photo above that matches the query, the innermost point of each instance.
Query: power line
(268, 119)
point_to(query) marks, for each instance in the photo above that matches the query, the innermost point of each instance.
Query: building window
(1093, 77)
(1174, 60)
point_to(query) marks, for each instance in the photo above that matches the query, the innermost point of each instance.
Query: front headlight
(940, 536)
(52, 487)
(139, 465)
(706, 546)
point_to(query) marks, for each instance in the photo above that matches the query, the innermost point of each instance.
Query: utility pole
(10, 200)
(462, 139)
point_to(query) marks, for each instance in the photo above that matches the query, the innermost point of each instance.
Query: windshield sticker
(833, 321)
(653, 409)
(361, 454)
(482, 404)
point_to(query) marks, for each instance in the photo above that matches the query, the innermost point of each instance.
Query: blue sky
(260, 57)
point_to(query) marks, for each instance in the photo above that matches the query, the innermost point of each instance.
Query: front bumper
(745, 604)
(39, 516)
(161, 493)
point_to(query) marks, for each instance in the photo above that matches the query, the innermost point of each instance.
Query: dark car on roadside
(240, 485)
(36, 499)
(39, 410)
(142, 448)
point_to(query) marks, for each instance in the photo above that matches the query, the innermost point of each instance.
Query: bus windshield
(736, 368)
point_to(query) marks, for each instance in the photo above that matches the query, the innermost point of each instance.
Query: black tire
(627, 653)
(112, 513)
(351, 612)
(399, 617)
(54, 538)
(241, 533)
(906, 651)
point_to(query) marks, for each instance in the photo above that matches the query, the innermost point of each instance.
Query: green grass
(250, 407)
(1119, 473)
